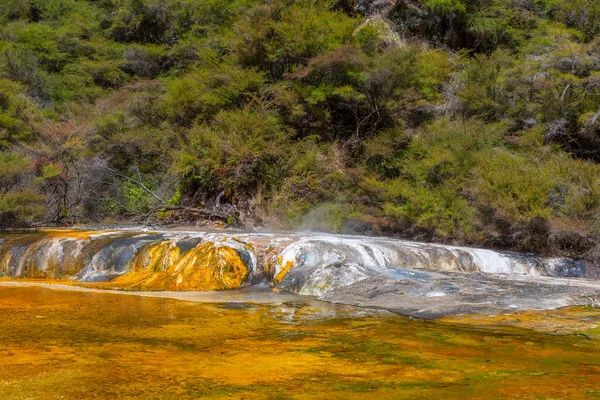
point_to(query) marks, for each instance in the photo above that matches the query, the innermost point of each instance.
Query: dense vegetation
(467, 121)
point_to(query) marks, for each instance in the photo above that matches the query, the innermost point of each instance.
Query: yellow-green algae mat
(81, 345)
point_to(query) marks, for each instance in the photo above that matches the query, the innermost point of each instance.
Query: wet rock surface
(438, 294)
(418, 279)
(317, 264)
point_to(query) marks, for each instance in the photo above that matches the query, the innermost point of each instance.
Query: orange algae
(75, 345)
(569, 320)
(75, 233)
(159, 266)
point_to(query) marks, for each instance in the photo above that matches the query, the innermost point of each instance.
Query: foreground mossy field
(57, 344)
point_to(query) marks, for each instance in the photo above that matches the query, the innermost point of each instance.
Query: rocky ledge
(439, 294)
(417, 279)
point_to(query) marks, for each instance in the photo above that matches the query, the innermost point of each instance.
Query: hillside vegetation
(464, 121)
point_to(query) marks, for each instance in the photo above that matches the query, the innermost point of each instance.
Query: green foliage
(513, 186)
(447, 6)
(528, 185)
(497, 25)
(441, 210)
(106, 74)
(435, 174)
(151, 21)
(20, 208)
(462, 120)
(326, 217)
(137, 198)
(278, 37)
(176, 199)
(13, 114)
(50, 171)
(485, 77)
(413, 69)
(17, 204)
(12, 168)
(22, 66)
(145, 61)
(36, 10)
(202, 92)
(370, 39)
(581, 14)
(237, 151)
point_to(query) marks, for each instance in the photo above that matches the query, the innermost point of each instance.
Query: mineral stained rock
(418, 279)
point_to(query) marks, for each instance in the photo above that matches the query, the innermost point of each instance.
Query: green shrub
(447, 6)
(581, 14)
(280, 36)
(106, 74)
(441, 210)
(240, 151)
(14, 110)
(325, 217)
(161, 22)
(145, 61)
(434, 174)
(74, 84)
(513, 186)
(484, 92)
(18, 204)
(20, 208)
(202, 92)
(370, 39)
(22, 66)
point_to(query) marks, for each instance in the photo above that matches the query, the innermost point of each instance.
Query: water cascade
(310, 264)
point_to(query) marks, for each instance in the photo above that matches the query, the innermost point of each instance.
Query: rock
(419, 279)
(387, 36)
(564, 267)
(208, 266)
(316, 264)
(444, 293)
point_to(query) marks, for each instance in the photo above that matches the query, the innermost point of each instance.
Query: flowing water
(81, 345)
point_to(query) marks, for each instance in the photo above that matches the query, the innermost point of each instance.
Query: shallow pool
(80, 345)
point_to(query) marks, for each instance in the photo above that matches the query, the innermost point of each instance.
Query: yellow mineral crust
(277, 265)
(62, 254)
(77, 234)
(159, 266)
(284, 270)
(156, 257)
(4, 260)
(50, 253)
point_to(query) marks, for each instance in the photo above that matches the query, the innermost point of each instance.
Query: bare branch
(138, 181)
